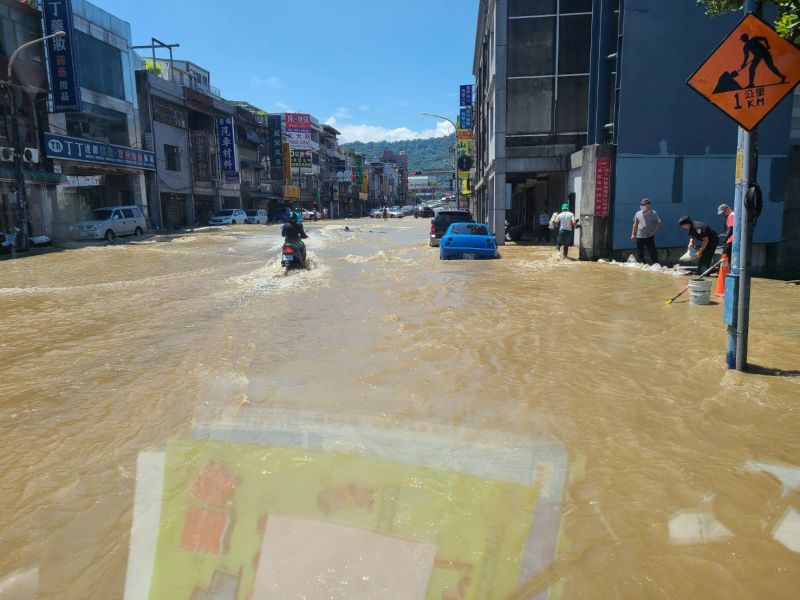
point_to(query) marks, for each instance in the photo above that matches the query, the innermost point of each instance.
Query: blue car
(468, 241)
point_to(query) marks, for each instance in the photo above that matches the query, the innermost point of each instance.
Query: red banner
(602, 187)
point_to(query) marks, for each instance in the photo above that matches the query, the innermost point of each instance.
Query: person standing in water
(566, 229)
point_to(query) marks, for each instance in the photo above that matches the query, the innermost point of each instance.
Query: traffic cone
(724, 269)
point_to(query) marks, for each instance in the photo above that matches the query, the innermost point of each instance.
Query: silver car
(110, 222)
(228, 216)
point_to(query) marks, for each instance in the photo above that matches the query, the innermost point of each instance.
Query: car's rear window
(446, 218)
(470, 229)
(225, 213)
(252, 213)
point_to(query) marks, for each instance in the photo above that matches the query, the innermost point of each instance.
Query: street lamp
(455, 157)
(19, 148)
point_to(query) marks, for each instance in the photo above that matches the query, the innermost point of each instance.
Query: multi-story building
(331, 165)
(21, 23)
(400, 162)
(251, 140)
(431, 185)
(560, 87)
(97, 148)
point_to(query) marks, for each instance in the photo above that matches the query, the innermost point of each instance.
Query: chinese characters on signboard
(465, 118)
(169, 113)
(63, 63)
(70, 148)
(298, 135)
(275, 143)
(228, 161)
(466, 95)
(602, 189)
(201, 156)
(301, 158)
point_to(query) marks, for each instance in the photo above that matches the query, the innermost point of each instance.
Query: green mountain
(423, 155)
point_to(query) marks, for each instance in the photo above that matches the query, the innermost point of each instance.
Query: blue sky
(369, 67)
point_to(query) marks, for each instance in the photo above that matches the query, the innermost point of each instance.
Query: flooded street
(180, 418)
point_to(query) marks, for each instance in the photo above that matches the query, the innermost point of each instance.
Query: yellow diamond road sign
(749, 73)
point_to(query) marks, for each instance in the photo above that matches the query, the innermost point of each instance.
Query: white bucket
(700, 291)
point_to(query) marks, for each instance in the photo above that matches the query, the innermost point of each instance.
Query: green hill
(423, 155)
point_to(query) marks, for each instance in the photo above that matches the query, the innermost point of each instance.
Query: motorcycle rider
(294, 234)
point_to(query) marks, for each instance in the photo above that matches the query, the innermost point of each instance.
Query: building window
(98, 124)
(100, 66)
(172, 157)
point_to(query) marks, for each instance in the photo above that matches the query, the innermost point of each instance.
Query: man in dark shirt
(294, 234)
(708, 238)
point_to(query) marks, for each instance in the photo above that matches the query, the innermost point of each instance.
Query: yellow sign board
(749, 73)
(291, 192)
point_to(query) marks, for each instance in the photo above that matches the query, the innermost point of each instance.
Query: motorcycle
(293, 256)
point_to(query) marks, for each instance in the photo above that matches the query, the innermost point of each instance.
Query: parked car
(395, 213)
(256, 216)
(408, 210)
(375, 213)
(443, 219)
(229, 216)
(111, 222)
(424, 211)
(310, 215)
(468, 241)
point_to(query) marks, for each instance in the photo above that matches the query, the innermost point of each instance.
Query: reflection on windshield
(101, 215)
(308, 506)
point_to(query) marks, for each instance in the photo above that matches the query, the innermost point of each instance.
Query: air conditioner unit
(31, 155)
(7, 154)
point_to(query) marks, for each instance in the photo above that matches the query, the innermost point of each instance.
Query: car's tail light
(433, 228)
(489, 243)
(448, 241)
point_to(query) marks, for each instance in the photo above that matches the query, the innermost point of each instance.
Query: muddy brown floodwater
(180, 419)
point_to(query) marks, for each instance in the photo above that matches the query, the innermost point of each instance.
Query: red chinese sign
(602, 187)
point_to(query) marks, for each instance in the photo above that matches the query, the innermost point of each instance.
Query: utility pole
(743, 232)
(18, 142)
(455, 156)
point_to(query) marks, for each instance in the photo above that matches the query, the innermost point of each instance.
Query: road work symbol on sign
(749, 73)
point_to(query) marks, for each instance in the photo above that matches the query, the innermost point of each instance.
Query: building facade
(98, 149)
(563, 83)
(21, 24)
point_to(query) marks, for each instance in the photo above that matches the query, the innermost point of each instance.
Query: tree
(787, 22)
(152, 67)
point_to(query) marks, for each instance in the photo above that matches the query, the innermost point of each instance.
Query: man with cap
(565, 223)
(706, 235)
(646, 223)
(727, 213)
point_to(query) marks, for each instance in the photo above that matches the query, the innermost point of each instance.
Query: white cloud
(265, 83)
(343, 113)
(376, 133)
(364, 108)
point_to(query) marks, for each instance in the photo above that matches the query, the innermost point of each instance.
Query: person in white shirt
(566, 228)
(544, 227)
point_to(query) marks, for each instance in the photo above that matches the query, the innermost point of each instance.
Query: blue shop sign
(466, 118)
(70, 148)
(62, 59)
(228, 161)
(465, 95)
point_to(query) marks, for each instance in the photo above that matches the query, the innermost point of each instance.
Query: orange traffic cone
(724, 269)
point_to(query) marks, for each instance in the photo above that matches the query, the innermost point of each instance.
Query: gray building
(563, 83)
(110, 115)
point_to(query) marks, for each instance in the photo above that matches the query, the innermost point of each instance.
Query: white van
(107, 223)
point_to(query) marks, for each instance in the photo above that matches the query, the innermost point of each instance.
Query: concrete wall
(673, 146)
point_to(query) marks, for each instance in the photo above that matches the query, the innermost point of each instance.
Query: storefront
(40, 187)
(94, 175)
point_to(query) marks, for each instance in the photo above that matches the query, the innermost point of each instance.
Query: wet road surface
(179, 416)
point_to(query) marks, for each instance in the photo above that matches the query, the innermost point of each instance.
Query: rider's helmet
(293, 217)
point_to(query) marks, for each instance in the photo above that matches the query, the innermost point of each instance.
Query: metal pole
(455, 157)
(746, 233)
(19, 146)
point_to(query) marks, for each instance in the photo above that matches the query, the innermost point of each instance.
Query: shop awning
(34, 176)
(257, 195)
